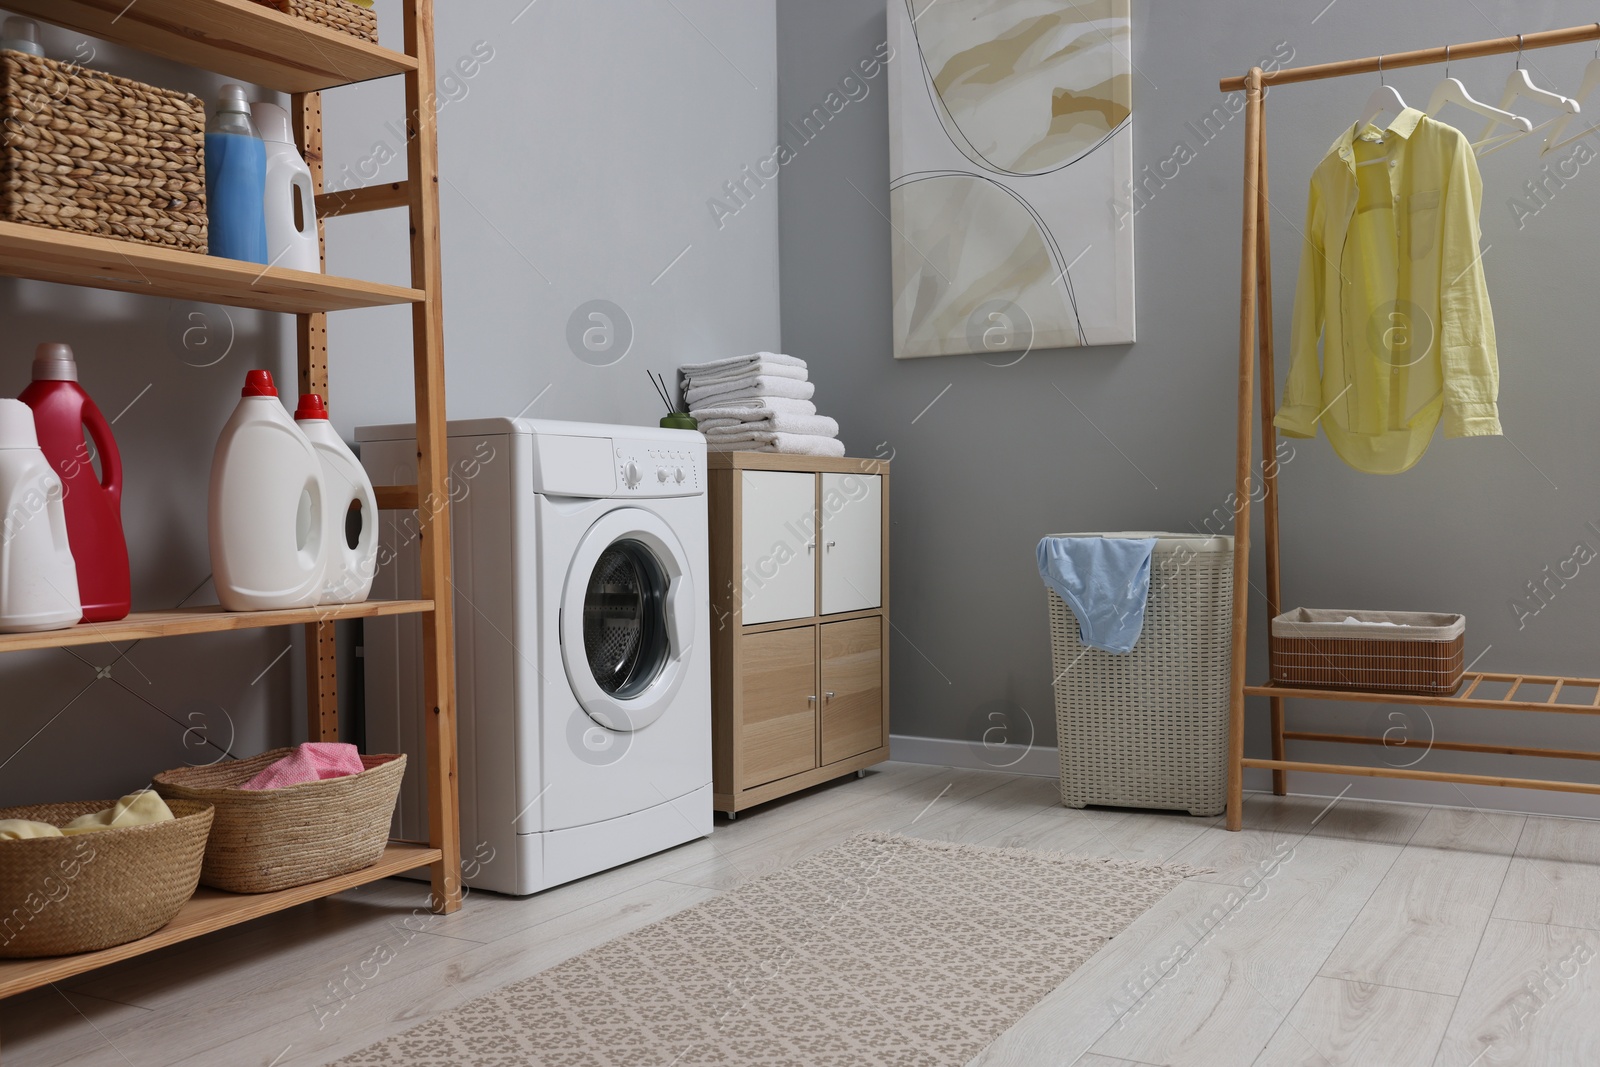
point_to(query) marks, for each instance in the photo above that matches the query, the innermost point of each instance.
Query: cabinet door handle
(827, 694)
(810, 545)
(811, 698)
(832, 543)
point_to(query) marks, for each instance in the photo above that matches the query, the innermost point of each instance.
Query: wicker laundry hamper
(1149, 728)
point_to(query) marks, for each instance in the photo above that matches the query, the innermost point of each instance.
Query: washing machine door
(627, 619)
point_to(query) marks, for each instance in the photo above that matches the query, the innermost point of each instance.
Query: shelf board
(1462, 698)
(209, 910)
(141, 625)
(103, 263)
(237, 38)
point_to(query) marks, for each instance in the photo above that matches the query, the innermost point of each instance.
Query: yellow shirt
(1391, 273)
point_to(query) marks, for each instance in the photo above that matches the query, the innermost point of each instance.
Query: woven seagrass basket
(271, 839)
(89, 152)
(64, 895)
(339, 15)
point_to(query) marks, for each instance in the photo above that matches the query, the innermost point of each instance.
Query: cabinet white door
(778, 541)
(852, 542)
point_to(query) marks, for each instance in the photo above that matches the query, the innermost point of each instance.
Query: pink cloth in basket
(310, 762)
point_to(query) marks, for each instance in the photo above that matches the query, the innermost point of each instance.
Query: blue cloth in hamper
(1105, 581)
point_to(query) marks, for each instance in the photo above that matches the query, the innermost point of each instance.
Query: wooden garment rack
(1255, 324)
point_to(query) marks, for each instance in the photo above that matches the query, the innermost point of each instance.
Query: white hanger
(1451, 91)
(1383, 98)
(1591, 82)
(1518, 84)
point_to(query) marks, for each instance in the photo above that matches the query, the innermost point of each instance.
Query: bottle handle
(315, 489)
(308, 205)
(106, 445)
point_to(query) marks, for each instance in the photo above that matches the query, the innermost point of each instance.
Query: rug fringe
(1183, 870)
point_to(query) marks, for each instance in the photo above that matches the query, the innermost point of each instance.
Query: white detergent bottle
(269, 547)
(352, 515)
(38, 578)
(289, 202)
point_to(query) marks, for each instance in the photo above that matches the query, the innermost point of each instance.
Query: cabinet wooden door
(777, 525)
(778, 721)
(852, 542)
(852, 688)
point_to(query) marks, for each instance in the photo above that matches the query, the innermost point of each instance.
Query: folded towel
(135, 809)
(718, 366)
(1105, 581)
(310, 762)
(813, 425)
(753, 410)
(22, 829)
(749, 370)
(793, 444)
(758, 388)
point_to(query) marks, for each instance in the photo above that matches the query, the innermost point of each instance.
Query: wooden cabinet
(800, 641)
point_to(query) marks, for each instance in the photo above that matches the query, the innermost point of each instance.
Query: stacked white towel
(759, 403)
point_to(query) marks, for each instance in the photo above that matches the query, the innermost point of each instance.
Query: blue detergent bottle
(236, 181)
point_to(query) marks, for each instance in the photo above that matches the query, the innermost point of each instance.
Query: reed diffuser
(673, 419)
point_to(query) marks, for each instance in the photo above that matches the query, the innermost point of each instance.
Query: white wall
(1003, 458)
(576, 161)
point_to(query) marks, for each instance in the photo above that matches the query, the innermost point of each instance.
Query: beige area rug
(882, 950)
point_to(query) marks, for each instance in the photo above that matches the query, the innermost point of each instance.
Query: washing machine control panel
(649, 469)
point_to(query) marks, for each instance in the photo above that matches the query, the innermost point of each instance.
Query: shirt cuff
(1472, 420)
(1297, 420)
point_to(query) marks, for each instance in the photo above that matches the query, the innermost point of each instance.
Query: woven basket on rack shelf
(339, 15)
(271, 839)
(64, 895)
(1149, 728)
(1387, 651)
(89, 152)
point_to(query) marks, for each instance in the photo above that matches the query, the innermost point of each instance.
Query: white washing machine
(582, 623)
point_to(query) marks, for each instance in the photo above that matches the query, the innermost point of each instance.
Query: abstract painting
(1010, 149)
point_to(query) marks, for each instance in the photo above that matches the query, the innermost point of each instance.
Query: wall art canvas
(1010, 151)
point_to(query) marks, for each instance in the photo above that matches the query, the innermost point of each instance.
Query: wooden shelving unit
(244, 40)
(1476, 690)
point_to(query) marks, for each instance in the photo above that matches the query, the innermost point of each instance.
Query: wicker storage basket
(1149, 728)
(1316, 647)
(272, 839)
(64, 895)
(89, 152)
(339, 15)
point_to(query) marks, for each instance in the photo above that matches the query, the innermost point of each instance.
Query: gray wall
(1002, 457)
(579, 144)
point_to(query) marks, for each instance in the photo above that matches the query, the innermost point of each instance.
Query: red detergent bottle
(61, 412)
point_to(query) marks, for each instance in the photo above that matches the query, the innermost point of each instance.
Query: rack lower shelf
(1464, 697)
(141, 625)
(209, 910)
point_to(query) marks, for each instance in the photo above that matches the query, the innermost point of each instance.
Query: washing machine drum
(627, 619)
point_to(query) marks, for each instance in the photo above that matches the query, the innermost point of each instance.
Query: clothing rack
(1255, 313)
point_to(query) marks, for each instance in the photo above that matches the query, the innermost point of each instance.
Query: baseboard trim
(1041, 761)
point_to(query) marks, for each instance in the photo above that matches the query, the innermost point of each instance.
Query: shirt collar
(1404, 125)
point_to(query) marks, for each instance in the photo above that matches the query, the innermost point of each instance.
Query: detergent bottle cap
(53, 362)
(16, 425)
(272, 122)
(259, 383)
(311, 407)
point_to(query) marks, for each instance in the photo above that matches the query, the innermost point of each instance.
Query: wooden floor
(1354, 933)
